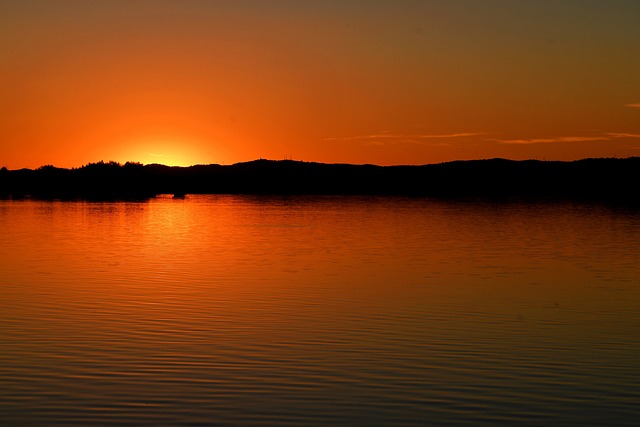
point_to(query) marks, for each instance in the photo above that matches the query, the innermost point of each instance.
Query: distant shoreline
(601, 179)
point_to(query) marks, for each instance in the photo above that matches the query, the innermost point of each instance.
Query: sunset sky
(184, 82)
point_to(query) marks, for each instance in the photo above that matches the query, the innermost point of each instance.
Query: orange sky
(385, 82)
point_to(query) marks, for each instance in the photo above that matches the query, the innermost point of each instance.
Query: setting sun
(163, 150)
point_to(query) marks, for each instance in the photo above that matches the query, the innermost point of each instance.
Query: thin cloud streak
(633, 105)
(624, 135)
(552, 140)
(607, 136)
(387, 137)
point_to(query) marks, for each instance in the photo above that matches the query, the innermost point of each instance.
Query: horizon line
(130, 162)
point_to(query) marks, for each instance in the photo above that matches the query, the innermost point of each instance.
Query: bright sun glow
(166, 151)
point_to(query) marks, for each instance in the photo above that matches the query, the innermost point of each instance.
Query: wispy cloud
(604, 136)
(388, 137)
(633, 105)
(554, 139)
(452, 135)
(623, 135)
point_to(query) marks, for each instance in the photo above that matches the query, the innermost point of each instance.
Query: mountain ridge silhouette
(614, 179)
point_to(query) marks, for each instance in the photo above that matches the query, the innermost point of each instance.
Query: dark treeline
(593, 179)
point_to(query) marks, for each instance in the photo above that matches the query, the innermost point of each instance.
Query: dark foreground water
(220, 310)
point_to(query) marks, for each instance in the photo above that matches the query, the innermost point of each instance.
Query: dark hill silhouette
(589, 179)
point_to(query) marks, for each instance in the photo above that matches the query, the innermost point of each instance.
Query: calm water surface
(221, 310)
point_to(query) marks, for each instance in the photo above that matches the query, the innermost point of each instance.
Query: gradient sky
(386, 82)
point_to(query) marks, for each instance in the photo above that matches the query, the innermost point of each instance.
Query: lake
(302, 311)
